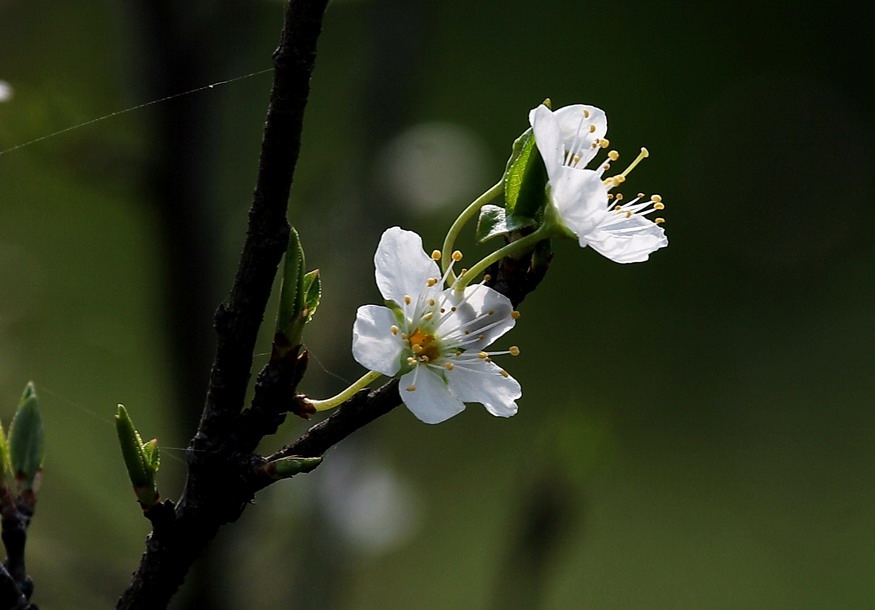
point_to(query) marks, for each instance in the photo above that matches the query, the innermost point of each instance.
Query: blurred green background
(695, 432)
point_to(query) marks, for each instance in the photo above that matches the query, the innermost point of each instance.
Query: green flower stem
(334, 401)
(519, 246)
(465, 216)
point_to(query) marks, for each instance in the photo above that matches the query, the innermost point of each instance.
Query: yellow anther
(457, 256)
(628, 214)
(619, 196)
(487, 277)
(604, 142)
(407, 299)
(658, 206)
(458, 353)
(640, 195)
(463, 271)
(411, 388)
(394, 330)
(417, 348)
(659, 221)
(490, 312)
(404, 336)
(656, 198)
(431, 302)
(428, 316)
(606, 166)
(436, 255)
(613, 155)
(481, 337)
(592, 128)
(411, 360)
(443, 310)
(575, 159)
(514, 350)
(515, 315)
(449, 366)
(504, 373)
(431, 282)
(483, 355)
(610, 196)
(424, 359)
(467, 332)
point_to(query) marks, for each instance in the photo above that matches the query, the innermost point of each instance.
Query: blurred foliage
(706, 416)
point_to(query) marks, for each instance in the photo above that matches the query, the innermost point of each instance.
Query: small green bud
(141, 459)
(287, 467)
(26, 441)
(299, 297)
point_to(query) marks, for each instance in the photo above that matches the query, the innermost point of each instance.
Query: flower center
(425, 345)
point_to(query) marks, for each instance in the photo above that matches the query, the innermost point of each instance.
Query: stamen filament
(641, 156)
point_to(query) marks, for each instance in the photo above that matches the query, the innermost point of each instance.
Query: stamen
(514, 350)
(656, 198)
(457, 256)
(515, 315)
(449, 366)
(659, 221)
(613, 155)
(417, 348)
(482, 355)
(504, 373)
(407, 299)
(490, 312)
(411, 388)
(658, 206)
(394, 330)
(486, 277)
(641, 156)
(604, 142)
(436, 255)
(585, 113)
(431, 282)
(592, 128)
(431, 302)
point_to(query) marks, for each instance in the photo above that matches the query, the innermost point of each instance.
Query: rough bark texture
(214, 492)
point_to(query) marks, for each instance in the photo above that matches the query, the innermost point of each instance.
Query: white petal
(481, 381)
(431, 401)
(373, 344)
(402, 267)
(548, 138)
(629, 241)
(472, 314)
(575, 127)
(581, 198)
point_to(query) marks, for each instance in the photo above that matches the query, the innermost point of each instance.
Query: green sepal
(141, 459)
(287, 467)
(26, 441)
(312, 290)
(291, 289)
(300, 294)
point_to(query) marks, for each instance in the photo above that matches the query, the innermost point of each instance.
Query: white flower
(433, 339)
(568, 140)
